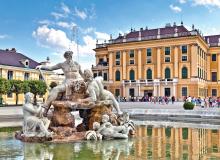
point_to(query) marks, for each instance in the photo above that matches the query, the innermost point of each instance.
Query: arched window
(184, 73)
(167, 73)
(117, 76)
(132, 77)
(149, 74)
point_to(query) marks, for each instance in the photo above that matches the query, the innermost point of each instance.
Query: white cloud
(51, 38)
(58, 41)
(80, 14)
(66, 24)
(65, 8)
(102, 36)
(214, 3)
(3, 36)
(58, 15)
(87, 30)
(176, 9)
(44, 22)
(182, 1)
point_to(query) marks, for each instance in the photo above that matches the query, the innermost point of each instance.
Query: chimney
(48, 59)
(176, 30)
(193, 27)
(139, 34)
(174, 24)
(181, 23)
(6, 49)
(158, 33)
(131, 29)
(146, 28)
(110, 36)
(13, 50)
(208, 40)
(141, 29)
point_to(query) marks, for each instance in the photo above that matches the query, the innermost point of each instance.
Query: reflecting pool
(149, 143)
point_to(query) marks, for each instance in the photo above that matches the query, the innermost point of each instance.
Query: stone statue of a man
(97, 93)
(107, 130)
(73, 75)
(34, 123)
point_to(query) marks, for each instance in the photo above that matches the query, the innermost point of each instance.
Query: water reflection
(149, 143)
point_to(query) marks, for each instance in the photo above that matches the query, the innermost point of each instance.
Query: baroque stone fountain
(79, 92)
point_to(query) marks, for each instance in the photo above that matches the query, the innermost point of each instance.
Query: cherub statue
(97, 93)
(34, 123)
(107, 130)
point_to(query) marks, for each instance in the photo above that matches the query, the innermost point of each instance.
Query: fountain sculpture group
(79, 91)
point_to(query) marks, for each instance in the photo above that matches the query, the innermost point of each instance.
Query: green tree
(4, 88)
(17, 88)
(26, 87)
(37, 88)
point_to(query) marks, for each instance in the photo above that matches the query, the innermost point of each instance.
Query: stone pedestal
(62, 115)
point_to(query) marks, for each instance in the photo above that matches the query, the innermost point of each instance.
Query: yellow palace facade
(168, 61)
(14, 65)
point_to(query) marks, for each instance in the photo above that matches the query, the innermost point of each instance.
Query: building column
(208, 68)
(155, 90)
(123, 90)
(158, 63)
(139, 64)
(218, 62)
(193, 54)
(110, 68)
(176, 70)
(139, 89)
(174, 90)
(124, 65)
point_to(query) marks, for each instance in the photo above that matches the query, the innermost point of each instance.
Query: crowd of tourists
(152, 99)
(206, 102)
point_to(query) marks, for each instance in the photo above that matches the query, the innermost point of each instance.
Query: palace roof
(13, 58)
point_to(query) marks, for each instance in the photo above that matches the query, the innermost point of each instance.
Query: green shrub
(188, 105)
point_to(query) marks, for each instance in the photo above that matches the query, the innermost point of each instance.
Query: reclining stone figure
(34, 123)
(97, 93)
(107, 130)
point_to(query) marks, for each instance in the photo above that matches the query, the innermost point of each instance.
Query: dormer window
(25, 62)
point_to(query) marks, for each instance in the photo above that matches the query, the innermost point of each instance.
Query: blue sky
(41, 28)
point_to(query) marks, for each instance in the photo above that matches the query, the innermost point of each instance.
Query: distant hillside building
(168, 61)
(14, 65)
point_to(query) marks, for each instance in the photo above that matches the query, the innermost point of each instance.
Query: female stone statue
(34, 123)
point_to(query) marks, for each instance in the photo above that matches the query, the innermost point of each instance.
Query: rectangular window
(214, 76)
(100, 73)
(131, 53)
(131, 61)
(41, 78)
(131, 92)
(149, 52)
(214, 92)
(94, 75)
(105, 76)
(184, 91)
(9, 95)
(184, 58)
(148, 59)
(117, 56)
(167, 59)
(101, 60)
(213, 57)
(117, 62)
(117, 92)
(26, 76)
(167, 50)
(184, 49)
(10, 75)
